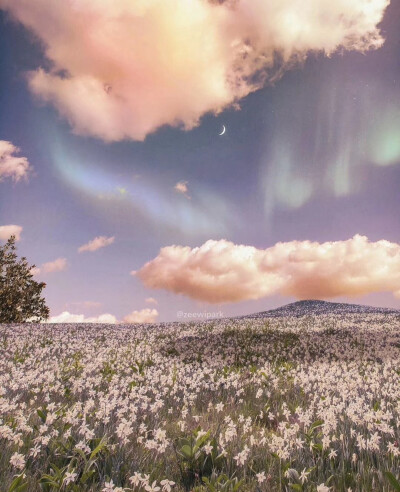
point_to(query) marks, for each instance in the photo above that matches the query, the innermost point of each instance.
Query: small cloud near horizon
(143, 316)
(67, 317)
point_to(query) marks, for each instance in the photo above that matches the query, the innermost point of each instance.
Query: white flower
(152, 488)
(160, 434)
(223, 453)
(18, 461)
(208, 448)
(261, 477)
(145, 479)
(332, 454)
(34, 451)
(303, 476)
(109, 486)
(167, 485)
(69, 477)
(241, 457)
(135, 479)
(323, 488)
(84, 447)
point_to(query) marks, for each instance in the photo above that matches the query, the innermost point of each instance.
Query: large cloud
(220, 271)
(144, 316)
(121, 69)
(6, 231)
(67, 317)
(11, 165)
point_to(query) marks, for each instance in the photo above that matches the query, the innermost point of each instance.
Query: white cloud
(67, 317)
(96, 243)
(151, 300)
(220, 271)
(181, 187)
(144, 316)
(57, 265)
(7, 231)
(12, 166)
(122, 69)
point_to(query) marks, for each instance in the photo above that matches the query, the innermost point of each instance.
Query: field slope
(305, 397)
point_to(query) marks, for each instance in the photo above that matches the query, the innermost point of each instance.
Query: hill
(318, 308)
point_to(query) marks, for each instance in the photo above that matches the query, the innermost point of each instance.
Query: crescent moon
(223, 130)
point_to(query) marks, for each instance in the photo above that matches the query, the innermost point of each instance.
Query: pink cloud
(7, 231)
(123, 69)
(181, 187)
(144, 316)
(220, 271)
(57, 265)
(67, 317)
(12, 166)
(35, 271)
(96, 243)
(151, 300)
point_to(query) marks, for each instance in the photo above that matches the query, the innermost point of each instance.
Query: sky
(162, 159)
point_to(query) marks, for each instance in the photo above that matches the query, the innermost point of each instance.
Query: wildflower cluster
(305, 403)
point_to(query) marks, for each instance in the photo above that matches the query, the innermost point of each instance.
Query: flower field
(306, 403)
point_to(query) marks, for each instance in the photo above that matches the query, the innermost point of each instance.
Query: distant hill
(317, 308)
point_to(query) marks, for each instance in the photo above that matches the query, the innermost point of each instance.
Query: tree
(20, 294)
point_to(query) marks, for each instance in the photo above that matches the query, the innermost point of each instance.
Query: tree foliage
(20, 294)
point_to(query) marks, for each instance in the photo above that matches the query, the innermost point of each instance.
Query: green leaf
(203, 439)
(18, 484)
(81, 453)
(316, 424)
(393, 481)
(86, 476)
(42, 414)
(187, 451)
(238, 485)
(98, 449)
(22, 487)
